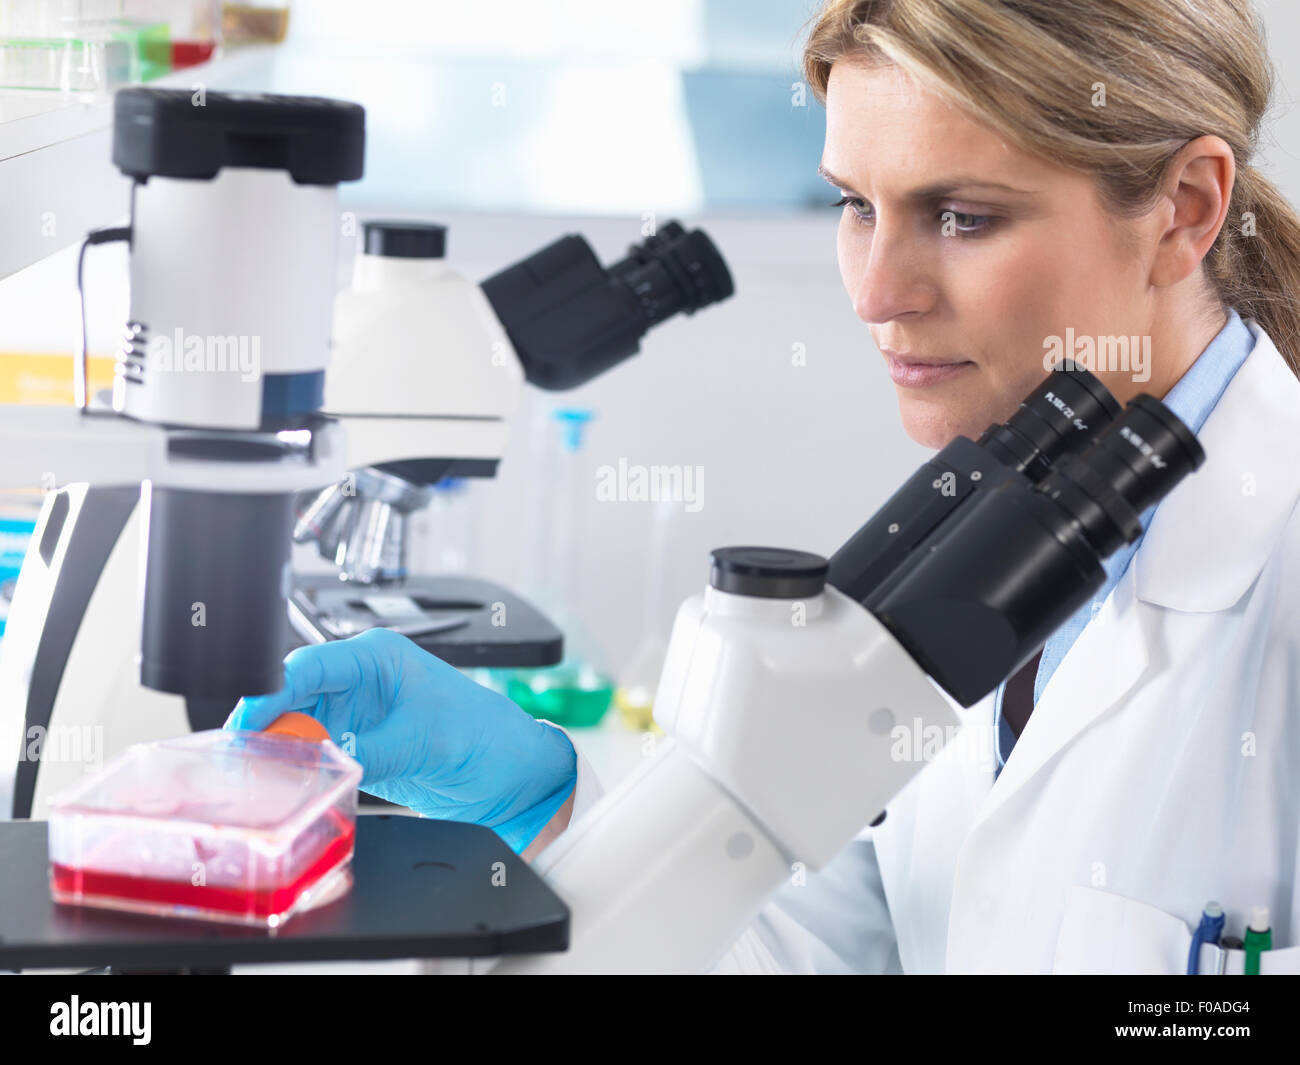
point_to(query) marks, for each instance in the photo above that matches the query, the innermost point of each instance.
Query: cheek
(850, 255)
(1076, 277)
(1022, 291)
(1002, 296)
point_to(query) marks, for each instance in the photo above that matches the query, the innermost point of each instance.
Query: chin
(934, 417)
(930, 425)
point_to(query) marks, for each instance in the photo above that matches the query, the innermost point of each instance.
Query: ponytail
(1255, 263)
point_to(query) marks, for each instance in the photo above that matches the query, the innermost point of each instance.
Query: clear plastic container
(67, 64)
(241, 827)
(91, 47)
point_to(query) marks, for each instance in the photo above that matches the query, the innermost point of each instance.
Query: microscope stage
(465, 621)
(420, 889)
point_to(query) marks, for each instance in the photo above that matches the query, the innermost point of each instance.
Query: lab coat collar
(1211, 536)
(1206, 544)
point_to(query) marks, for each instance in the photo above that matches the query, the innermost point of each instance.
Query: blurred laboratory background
(512, 123)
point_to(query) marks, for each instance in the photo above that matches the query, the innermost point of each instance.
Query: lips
(909, 371)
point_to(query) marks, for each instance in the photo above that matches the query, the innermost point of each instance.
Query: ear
(1196, 192)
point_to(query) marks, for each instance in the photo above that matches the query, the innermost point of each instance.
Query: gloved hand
(426, 735)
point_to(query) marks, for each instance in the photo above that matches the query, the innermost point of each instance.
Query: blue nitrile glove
(426, 735)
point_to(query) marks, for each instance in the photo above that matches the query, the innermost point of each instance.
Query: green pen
(1259, 936)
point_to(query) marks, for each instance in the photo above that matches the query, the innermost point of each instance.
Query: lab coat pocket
(1106, 933)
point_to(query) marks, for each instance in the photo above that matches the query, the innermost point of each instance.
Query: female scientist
(1013, 174)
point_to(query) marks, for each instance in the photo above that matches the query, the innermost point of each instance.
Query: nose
(885, 275)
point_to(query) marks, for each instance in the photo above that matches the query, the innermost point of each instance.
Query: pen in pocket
(1208, 931)
(1259, 937)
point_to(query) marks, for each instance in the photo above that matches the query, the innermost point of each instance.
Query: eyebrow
(937, 189)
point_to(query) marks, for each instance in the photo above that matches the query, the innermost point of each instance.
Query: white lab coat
(1160, 768)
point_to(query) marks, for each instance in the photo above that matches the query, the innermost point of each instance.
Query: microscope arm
(50, 446)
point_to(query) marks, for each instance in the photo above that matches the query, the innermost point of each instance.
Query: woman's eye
(969, 225)
(856, 204)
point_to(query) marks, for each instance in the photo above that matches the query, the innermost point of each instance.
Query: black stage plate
(420, 889)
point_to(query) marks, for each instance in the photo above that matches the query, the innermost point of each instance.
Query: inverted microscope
(233, 237)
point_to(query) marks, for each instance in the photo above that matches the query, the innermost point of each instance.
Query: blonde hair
(1170, 71)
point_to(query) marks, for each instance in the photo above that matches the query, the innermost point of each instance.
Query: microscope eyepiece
(1132, 465)
(674, 271)
(1060, 416)
(569, 318)
(983, 592)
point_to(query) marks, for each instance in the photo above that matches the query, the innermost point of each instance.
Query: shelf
(33, 119)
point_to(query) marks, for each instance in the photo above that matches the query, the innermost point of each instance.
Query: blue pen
(1208, 931)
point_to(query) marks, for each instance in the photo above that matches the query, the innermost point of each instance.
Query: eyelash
(986, 221)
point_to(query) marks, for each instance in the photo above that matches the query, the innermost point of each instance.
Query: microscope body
(427, 368)
(788, 714)
(423, 378)
(421, 365)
